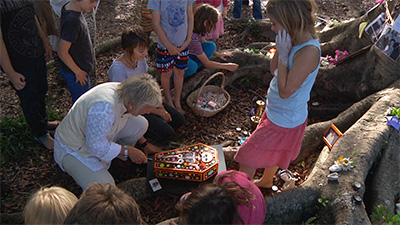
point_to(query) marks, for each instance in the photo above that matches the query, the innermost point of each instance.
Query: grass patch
(16, 138)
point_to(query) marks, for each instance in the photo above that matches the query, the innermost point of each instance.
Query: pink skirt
(271, 145)
(218, 31)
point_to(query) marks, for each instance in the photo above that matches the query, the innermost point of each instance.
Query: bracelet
(126, 153)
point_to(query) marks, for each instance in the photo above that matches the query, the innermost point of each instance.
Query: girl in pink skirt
(222, 7)
(277, 139)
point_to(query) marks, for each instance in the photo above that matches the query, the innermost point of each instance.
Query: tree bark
(313, 141)
(363, 142)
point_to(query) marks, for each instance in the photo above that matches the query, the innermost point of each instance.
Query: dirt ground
(20, 178)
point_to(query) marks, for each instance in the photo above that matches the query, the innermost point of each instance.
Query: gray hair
(141, 90)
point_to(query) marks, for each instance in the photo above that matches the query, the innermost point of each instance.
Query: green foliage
(254, 27)
(246, 80)
(382, 215)
(323, 201)
(310, 221)
(393, 112)
(14, 137)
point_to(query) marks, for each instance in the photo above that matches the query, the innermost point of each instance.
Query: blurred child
(231, 199)
(145, 19)
(277, 138)
(23, 46)
(104, 204)
(162, 120)
(49, 206)
(222, 7)
(200, 50)
(173, 23)
(75, 47)
(237, 9)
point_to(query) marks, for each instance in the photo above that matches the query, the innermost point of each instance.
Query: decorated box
(197, 162)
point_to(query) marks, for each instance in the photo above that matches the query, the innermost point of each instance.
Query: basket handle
(209, 79)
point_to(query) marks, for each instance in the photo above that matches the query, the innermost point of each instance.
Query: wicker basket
(194, 96)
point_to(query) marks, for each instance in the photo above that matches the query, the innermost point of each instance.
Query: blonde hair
(49, 206)
(296, 16)
(140, 90)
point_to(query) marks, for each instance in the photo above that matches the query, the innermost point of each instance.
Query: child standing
(145, 19)
(277, 139)
(173, 24)
(49, 206)
(23, 45)
(162, 120)
(75, 48)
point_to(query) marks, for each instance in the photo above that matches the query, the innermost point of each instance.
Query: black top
(74, 29)
(20, 32)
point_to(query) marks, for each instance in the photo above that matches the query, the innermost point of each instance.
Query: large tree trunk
(364, 140)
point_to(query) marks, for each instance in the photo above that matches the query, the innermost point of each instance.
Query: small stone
(357, 198)
(238, 129)
(356, 185)
(333, 176)
(335, 168)
(315, 104)
(245, 133)
(274, 188)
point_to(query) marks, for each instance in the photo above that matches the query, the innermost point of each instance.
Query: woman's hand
(136, 155)
(151, 149)
(167, 117)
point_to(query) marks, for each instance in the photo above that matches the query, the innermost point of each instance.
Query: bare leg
(267, 179)
(165, 84)
(248, 170)
(178, 84)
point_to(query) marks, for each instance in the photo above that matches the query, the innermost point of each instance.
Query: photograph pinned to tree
(332, 134)
(375, 27)
(389, 42)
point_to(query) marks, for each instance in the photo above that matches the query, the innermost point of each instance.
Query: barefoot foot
(52, 125)
(263, 184)
(49, 143)
(179, 107)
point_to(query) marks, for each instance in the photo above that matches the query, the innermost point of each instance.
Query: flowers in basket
(329, 60)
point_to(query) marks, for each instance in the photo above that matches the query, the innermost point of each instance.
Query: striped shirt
(145, 22)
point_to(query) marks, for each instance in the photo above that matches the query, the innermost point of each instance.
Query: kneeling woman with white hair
(104, 123)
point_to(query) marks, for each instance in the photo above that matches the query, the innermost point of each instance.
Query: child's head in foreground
(296, 17)
(209, 204)
(104, 204)
(49, 206)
